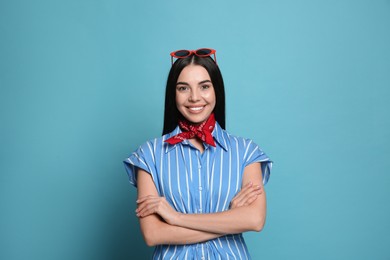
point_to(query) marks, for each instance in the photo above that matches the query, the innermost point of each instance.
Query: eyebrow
(200, 83)
(182, 83)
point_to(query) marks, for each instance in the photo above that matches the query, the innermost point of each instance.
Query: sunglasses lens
(182, 53)
(203, 52)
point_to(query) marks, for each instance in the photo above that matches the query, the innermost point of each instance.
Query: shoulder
(151, 146)
(247, 147)
(228, 140)
(235, 140)
(156, 145)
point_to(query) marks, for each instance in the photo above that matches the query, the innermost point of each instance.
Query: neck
(198, 123)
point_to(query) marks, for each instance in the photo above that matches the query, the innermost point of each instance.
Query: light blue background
(82, 85)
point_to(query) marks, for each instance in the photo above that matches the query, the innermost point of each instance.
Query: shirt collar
(220, 136)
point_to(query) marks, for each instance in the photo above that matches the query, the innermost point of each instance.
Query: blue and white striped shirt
(194, 182)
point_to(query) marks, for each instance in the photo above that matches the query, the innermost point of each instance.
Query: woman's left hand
(151, 204)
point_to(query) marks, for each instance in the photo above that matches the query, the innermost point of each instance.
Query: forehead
(193, 73)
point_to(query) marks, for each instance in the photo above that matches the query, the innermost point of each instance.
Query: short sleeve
(253, 154)
(138, 159)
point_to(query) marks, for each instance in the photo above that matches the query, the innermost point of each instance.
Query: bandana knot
(202, 131)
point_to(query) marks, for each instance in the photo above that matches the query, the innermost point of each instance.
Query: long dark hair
(171, 113)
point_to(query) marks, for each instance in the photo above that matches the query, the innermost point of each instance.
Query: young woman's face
(195, 96)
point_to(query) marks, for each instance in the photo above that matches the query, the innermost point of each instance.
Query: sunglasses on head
(203, 52)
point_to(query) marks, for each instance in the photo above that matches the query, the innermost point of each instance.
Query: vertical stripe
(151, 152)
(238, 168)
(220, 243)
(183, 208)
(154, 146)
(238, 250)
(212, 186)
(220, 183)
(166, 251)
(170, 183)
(156, 249)
(227, 240)
(246, 151)
(208, 171)
(186, 254)
(229, 179)
(224, 139)
(243, 246)
(173, 254)
(199, 182)
(186, 172)
(190, 163)
(161, 170)
(250, 156)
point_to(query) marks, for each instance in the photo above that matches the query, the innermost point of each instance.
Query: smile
(196, 108)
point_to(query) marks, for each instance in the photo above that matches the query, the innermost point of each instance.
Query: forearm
(232, 221)
(157, 232)
(237, 220)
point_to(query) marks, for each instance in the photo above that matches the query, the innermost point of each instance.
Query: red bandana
(202, 131)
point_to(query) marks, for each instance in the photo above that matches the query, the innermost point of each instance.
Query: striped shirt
(194, 182)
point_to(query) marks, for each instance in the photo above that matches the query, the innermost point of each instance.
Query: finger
(254, 193)
(141, 199)
(148, 210)
(155, 206)
(240, 198)
(256, 190)
(250, 200)
(243, 195)
(243, 191)
(146, 203)
(151, 205)
(248, 190)
(238, 201)
(247, 195)
(250, 197)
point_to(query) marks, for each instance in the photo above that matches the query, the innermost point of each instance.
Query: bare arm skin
(236, 220)
(155, 230)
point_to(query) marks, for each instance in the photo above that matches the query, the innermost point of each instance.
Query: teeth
(196, 108)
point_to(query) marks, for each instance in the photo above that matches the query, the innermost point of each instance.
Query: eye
(181, 88)
(206, 86)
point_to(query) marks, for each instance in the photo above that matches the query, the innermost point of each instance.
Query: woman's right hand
(246, 196)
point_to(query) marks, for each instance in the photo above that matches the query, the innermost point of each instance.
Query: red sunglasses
(203, 52)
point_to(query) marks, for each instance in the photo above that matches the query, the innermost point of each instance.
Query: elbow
(152, 229)
(150, 239)
(150, 242)
(150, 236)
(258, 224)
(258, 227)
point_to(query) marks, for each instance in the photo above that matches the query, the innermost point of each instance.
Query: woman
(199, 188)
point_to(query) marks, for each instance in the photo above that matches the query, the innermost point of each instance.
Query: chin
(196, 119)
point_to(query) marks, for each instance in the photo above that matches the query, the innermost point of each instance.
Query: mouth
(196, 109)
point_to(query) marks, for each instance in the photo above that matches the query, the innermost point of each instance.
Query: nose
(194, 96)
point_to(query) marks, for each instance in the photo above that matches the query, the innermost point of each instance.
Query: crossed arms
(161, 224)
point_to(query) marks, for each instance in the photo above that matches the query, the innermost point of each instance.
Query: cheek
(179, 99)
(213, 105)
(210, 97)
(210, 94)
